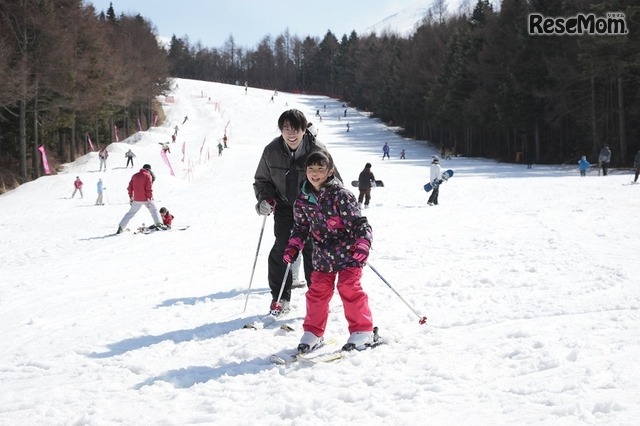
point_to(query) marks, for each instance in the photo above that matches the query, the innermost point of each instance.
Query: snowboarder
(277, 180)
(100, 189)
(435, 174)
(364, 185)
(129, 156)
(327, 213)
(583, 166)
(140, 191)
(385, 151)
(604, 158)
(103, 155)
(77, 187)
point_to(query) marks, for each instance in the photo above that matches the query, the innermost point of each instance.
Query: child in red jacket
(167, 217)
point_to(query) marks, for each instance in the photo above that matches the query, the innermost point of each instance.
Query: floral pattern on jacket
(332, 221)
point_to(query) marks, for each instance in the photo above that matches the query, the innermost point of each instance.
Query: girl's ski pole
(422, 319)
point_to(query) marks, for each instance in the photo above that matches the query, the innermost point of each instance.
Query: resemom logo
(614, 24)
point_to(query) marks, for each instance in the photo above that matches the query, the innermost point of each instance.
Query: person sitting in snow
(167, 217)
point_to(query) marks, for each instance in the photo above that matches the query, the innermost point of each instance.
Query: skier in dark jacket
(364, 185)
(277, 181)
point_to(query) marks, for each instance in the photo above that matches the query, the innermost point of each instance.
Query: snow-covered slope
(529, 280)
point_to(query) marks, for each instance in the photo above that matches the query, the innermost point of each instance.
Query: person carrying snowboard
(435, 175)
(364, 185)
(327, 214)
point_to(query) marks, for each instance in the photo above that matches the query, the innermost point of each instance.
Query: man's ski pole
(422, 319)
(255, 261)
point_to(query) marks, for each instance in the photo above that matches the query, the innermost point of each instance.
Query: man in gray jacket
(280, 172)
(604, 158)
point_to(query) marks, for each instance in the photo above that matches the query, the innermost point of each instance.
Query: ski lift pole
(422, 319)
(255, 261)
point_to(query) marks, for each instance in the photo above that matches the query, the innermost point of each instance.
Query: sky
(528, 278)
(249, 21)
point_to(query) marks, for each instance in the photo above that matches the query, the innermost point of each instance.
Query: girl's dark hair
(296, 119)
(319, 158)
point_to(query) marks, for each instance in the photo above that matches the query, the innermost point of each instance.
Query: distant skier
(103, 155)
(186, 117)
(100, 189)
(402, 155)
(129, 156)
(77, 187)
(385, 151)
(604, 158)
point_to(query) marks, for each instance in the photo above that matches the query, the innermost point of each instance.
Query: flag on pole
(163, 154)
(90, 143)
(45, 163)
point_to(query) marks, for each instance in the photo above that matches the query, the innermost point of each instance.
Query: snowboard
(445, 176)
(377, 183)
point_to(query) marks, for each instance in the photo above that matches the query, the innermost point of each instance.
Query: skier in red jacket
(140, 194)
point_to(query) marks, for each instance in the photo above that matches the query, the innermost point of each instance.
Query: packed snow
(528, 277)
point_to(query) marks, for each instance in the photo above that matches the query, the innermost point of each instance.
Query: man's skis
(266, 321)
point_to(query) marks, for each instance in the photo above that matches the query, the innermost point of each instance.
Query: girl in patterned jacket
(329, 216)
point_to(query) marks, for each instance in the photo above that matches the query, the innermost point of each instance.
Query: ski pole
(255, 261)
(284, 281)
(422, 319)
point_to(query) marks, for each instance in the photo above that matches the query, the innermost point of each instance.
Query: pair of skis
(313, 357)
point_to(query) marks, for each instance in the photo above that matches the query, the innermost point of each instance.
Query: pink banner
(183, 148)
(163, 154)
(139, 125)
(45, 163)
(115, 132)
(90, 143)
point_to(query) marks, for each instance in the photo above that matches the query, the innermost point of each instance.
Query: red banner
(45, 163)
